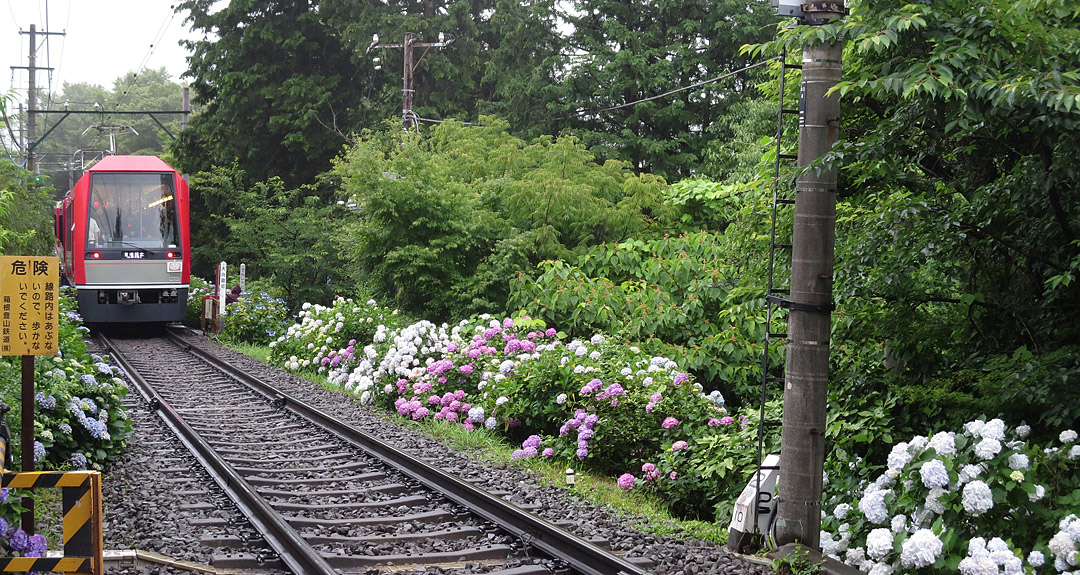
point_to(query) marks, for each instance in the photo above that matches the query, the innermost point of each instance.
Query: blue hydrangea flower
(78, 461)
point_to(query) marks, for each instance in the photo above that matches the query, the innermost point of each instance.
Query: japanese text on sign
(28, 305)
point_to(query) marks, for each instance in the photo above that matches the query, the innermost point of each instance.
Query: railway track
(325, 497)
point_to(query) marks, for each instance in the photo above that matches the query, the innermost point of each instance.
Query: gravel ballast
(144, 511)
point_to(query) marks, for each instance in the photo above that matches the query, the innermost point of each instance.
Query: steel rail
(295, 552)
(580, 555)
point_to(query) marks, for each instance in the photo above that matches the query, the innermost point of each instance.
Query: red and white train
(123, 237)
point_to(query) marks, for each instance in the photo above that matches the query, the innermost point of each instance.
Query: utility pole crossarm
(31, 110)
(408, 117)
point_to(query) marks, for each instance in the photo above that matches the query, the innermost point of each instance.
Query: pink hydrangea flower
(626, 481)
(679, 445)
(669, 422)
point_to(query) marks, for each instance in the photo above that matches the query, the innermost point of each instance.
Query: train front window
(132, 209)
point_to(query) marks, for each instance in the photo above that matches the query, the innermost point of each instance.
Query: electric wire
(132, 78)
(675, 91)
(642, 100)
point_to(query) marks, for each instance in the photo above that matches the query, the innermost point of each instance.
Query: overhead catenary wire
(134, 76)
(674, 91)
(643, 100)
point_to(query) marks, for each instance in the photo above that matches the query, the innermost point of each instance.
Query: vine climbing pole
(810, 303)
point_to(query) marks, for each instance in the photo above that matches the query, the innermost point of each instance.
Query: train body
(124, 240)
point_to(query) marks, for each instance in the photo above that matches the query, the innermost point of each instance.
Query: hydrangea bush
(197, 289)
(322, 329)
(255, 317)
(981, 501)
(79, 420)
(14, 542)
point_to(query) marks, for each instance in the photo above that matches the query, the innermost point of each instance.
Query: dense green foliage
(304, 74)
(625, 52)
(956, 238)
(441, 222)
(280, 234)
(272, 80)
(26, 215)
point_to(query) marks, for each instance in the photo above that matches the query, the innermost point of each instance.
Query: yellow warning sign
(28, 308)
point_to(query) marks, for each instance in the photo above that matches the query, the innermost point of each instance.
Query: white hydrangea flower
(934, 474)
(1036, 559)
(944, 443)
(899, 523)
(1063, 546)
(828, 545)
(1022, 431)
(969, 472)
(921, 549)
(994, 429)
(977, 498)
(879, 543)
(873, 507)
(978, 565)
(933, 500)
(1074, 452)
(899, 456)
(987, 448)
(841, 511)
(1013, 565)
(881, 569)
(1071, 525)
(997, 544)
(1067, 436)
(1018, 461)
(974, 428)
(977, 546)
(855, 556)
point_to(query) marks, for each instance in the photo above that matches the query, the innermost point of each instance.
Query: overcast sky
(105, 39)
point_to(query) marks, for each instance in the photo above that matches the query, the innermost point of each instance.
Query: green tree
(501, 60)
(624, 52)
(275, 88)
(284, 236)
(961, 196)
(443, 221)
(26, 213)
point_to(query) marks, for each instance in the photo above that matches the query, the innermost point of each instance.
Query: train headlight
(171, 255)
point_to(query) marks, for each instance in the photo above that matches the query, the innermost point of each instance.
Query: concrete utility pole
(408, 117)
(31, 118)
(802, 444)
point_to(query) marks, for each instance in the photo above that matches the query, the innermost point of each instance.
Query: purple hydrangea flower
(626, 481)
(19, 540)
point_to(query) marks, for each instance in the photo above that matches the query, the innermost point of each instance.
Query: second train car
(123, 236)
